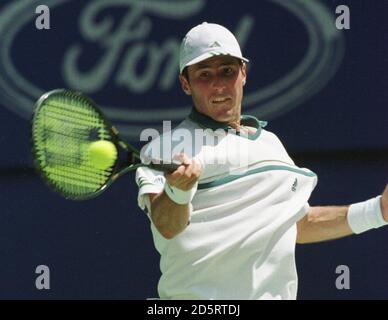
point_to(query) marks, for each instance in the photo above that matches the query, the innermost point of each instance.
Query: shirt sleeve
(148, 181)
(306, 208)
(280, 149)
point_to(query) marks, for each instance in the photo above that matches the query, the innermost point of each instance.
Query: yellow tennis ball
(101, 154)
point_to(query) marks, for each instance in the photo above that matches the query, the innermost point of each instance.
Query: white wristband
(365, 215)
(180, 196)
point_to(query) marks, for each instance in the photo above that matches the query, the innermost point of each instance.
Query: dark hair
(185, 71)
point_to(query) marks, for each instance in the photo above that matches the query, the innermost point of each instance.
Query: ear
(244, 73)
(185, 85)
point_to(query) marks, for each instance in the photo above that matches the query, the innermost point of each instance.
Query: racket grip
(165, 167)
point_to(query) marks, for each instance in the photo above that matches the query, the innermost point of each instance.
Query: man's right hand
(187, 174)
(169, 217)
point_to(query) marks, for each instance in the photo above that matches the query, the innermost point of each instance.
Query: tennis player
(226, 221)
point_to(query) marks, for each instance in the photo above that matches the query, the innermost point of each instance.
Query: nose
(218, 83)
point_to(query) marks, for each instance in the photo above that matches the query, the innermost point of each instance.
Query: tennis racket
(65, 123)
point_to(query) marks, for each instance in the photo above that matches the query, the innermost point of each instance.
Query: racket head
(64, 124)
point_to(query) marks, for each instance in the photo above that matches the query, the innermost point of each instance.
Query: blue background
(103, 249)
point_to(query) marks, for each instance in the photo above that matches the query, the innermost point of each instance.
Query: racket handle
(165, 167)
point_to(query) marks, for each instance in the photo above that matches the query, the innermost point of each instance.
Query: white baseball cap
(207, 40)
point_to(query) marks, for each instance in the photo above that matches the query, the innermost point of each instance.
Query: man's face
(216, 87)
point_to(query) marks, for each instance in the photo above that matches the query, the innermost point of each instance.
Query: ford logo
(118, 53)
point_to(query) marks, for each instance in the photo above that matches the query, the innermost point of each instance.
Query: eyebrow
(205, 65)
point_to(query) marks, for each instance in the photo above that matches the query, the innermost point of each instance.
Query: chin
(225, 116)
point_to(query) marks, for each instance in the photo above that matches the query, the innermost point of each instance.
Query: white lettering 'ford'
(133, 37)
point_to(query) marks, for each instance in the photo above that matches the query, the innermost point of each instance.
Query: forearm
(324, 223)
(327, 223)
(167, 216)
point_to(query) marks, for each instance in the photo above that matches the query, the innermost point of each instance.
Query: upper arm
(151, 198)
(300, 225)
(322, 224)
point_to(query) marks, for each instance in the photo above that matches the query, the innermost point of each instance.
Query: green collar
(246, 120)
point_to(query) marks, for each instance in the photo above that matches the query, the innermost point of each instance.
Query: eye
(228, 71)
(204, 74)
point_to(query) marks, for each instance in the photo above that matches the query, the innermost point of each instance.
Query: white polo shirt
(240, 243)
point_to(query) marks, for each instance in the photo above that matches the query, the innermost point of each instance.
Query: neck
(236, 123)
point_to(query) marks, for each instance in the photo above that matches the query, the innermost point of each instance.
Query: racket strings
(63, 129)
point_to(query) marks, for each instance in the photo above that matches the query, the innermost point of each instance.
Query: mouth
(220, 100)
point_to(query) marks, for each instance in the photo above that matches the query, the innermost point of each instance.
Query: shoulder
(271, 139)
(269, 135)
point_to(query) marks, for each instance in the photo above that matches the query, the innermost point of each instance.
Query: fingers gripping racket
(75, 148)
